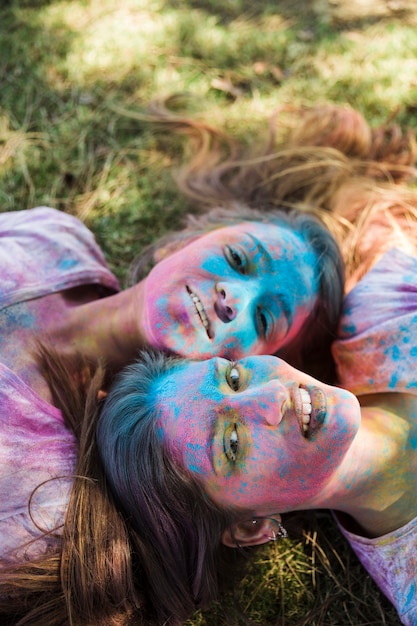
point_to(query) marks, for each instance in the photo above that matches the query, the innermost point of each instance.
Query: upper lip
(202, 313)
(310, 407)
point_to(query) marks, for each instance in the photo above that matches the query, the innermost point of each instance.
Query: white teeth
(306, 402)
(200, 309)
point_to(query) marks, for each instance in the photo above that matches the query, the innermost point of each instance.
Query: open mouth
(310, 407)
(200, 311)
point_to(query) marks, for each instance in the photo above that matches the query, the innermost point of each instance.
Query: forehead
(272, 233)
(187, 398)
(190, 393)
(272, 241)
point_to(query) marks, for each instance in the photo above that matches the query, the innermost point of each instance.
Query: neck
(375, 483)
(109, 328)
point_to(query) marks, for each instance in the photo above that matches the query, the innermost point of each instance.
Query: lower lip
(318, 410)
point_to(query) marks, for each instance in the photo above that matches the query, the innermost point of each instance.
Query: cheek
(346, 421)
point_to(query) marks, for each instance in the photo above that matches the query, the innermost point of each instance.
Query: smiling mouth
(200, 311)
(311, 408)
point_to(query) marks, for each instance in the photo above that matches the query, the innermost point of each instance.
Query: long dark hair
(141, 540)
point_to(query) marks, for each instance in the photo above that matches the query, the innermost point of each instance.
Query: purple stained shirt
(42, 251)
(377, 352)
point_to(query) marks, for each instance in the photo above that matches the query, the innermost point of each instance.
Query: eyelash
(263, 322)
(233, 377)
(237, 259)
(231, 446)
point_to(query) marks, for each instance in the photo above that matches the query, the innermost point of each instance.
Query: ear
(251, 533)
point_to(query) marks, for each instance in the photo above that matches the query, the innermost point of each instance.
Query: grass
(69, 68)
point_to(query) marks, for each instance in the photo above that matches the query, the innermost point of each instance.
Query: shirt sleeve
(43, 251)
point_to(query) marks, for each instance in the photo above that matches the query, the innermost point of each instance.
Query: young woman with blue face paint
(141, 541)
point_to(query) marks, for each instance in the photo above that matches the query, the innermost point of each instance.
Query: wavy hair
(324, 159)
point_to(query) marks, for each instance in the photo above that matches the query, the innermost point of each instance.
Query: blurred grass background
(68, 70)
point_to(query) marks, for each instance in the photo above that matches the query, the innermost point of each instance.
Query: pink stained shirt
(42, 251)
(377, 352)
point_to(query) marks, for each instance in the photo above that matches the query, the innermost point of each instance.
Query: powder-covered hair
(311, 349)
(141, 542)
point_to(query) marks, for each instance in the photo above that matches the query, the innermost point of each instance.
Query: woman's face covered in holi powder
(257, 432)
(239, 290)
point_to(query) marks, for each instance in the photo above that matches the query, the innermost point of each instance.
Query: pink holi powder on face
(273, 461)
(235, 291)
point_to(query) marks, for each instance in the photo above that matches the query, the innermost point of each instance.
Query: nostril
(222, 293)
(229, 311)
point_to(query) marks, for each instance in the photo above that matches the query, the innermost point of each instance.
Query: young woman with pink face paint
(150, 510)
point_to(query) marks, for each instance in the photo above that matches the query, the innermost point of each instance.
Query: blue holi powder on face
(195, 447)
(67, 264)
(412, 385)
(214, 265)
(194, 468)
(349, 329)
(395, 353)
(194, 452)
(413, 351)
(263, 404)
(393, 382)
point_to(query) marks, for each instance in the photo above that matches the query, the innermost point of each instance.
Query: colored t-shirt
(42, 251)
(377, 352)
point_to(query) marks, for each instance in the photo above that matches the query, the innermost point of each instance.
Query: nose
(266, 403)
(231, 298)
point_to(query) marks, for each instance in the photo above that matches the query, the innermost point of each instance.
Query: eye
(236, 257)
(264, 322)
(233, 377)
(231, 442)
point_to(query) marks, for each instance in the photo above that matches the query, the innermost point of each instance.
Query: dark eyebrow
(266, 257)
(269, 265)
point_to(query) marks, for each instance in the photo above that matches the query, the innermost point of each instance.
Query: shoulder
(43, 251)
(377, 338)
